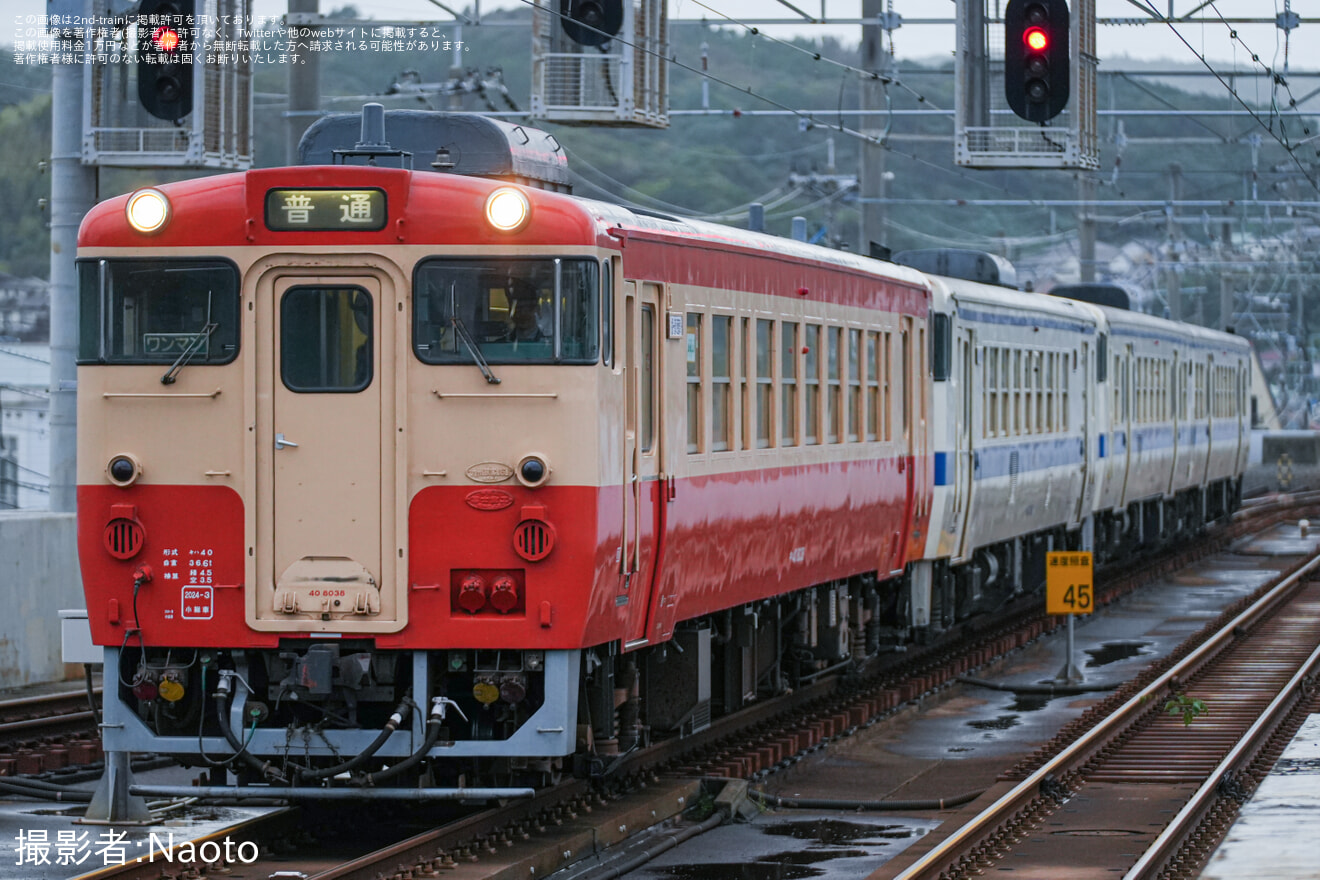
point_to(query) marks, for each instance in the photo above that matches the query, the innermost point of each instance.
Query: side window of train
(1005, 392)
(788, 370)
(874, 413)
(855, 371)
(1064, 383)
(1051, 392)
(833, 385)
(694, 382)
(721, 383)
(1015, 379)
(811, 385)
(745, 367)
(941, 342)
(765, 382)
(158, 311)
(326, 339)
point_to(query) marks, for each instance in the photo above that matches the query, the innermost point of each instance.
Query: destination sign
(325, 210)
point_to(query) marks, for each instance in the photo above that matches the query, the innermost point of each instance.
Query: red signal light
(1036, 39)
(166, 39)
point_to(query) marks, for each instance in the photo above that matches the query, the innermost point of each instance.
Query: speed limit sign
(1068, 583)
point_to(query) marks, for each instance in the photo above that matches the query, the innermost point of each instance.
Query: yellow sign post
(1068, 582)
(1068, 590)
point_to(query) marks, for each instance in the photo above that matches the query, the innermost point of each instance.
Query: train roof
(1138, 325)
(966, 293)
(652, 225)
(466, 144)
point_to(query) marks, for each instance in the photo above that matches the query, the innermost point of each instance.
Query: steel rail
(426, 844)
(30, 724)
(151, 866)
(1169, 840)
(1081, 749)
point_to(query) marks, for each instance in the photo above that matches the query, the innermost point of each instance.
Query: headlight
(148, 210)
(507, 209)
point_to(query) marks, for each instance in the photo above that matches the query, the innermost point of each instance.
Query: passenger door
(1177, 394)
(1208, 387)
(1123, 420)
(643, 494)
(1087, 487)
(963, 429)
(328, 454)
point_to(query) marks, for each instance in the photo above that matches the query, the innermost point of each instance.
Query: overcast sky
(915, 41)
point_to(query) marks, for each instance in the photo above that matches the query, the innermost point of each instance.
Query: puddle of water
(833, 832)
(742, 871)
(1112, 652)
(960, 749)
(1030, 702)
(1003, 722)
(813, 856)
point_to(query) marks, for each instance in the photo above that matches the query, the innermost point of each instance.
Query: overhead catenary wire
(1289, 148)
(887, 79)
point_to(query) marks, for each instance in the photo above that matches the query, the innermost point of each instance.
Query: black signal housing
(591, 22)
(166, 36)
(1037, 75)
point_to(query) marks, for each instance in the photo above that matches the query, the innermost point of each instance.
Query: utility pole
(1085, 229)
(72, 194)
(871, 174)
(304, 81)
(1172, 284)
(456, 71)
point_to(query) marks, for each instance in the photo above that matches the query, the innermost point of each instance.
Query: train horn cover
(507, 209)
(148, 210)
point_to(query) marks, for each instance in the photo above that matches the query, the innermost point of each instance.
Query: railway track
(1147, 790)
(747, 745)
(47, 732)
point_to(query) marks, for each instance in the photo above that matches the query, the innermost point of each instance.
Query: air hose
(396, 721)
(433, 727)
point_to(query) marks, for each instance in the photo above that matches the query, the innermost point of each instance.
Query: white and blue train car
(1018, 404)
(1177, 442)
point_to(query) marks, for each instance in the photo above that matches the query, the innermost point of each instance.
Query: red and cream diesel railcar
(380, 465)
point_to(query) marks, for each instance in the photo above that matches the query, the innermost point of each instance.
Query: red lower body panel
(476, 581)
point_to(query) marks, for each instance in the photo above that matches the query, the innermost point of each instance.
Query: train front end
(340, 468)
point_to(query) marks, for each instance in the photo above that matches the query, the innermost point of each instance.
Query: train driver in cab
(524, 321)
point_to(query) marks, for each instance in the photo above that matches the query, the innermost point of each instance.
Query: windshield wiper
(186, 355)
(461, 330)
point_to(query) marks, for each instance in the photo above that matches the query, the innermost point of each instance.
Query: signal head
(165, 39)
(1037, 67)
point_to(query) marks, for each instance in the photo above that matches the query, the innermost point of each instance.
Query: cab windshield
(157, 312)
(518, 310)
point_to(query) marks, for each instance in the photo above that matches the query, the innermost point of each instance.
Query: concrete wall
(39, 575)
